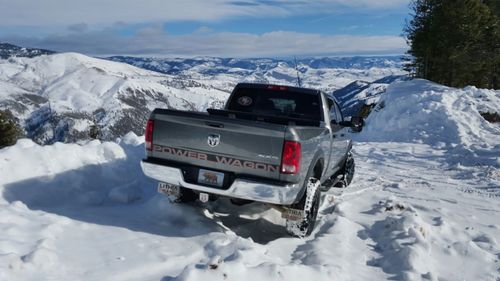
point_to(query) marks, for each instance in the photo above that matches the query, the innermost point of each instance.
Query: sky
(225, 28)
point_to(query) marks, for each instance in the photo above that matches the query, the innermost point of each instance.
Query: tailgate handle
(215, 125)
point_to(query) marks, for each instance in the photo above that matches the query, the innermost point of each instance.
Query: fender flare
(318, 157)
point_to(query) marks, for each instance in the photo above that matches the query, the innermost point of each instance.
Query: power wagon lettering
(216, 158)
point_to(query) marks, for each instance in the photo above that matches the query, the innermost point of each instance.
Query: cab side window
(338, 112)
(332, 111)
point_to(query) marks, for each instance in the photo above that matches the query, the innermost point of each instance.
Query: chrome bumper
(241, 188)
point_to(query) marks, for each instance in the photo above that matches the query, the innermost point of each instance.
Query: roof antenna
(297, 69)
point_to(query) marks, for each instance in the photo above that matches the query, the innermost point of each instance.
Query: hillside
(59, 97)
(423, 205)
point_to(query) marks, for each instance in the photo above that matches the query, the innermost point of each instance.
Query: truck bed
(183, 137)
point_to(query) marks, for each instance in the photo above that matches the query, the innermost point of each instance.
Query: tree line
(455, 42)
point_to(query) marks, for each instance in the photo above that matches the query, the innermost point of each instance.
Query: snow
(413, 212)
(419, 111)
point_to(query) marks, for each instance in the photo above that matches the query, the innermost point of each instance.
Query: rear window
(276, 103)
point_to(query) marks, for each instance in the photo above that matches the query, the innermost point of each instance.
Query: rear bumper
(241, 188)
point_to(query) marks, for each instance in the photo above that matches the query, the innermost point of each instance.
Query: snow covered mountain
(327, 73)
(61, 96)
(8, 50)
(213, 65)
(66, 96)
(423, 205)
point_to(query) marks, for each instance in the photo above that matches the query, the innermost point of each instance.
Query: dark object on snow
(491, 117)
(10, 132)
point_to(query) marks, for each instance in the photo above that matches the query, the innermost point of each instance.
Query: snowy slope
(446, 118)
(58, 97)
(362, 95)
(86, 212)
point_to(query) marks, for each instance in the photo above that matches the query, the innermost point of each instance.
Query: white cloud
(103, 12)
(154, 41)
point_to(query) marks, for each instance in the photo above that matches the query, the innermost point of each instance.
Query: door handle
(215, 125)
(334, 136)
(342, 135)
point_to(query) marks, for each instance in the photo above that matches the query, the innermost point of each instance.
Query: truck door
(342, 135)
(336, 145)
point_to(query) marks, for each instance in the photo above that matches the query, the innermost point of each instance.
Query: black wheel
(309, 203)
(185, 196)
(347, 171)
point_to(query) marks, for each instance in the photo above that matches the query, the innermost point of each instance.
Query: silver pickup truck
(274, 144)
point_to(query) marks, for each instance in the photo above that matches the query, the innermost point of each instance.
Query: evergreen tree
(9, 130)
(455, 42)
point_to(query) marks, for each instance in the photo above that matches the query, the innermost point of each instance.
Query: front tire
(347, 171)
(309, 204)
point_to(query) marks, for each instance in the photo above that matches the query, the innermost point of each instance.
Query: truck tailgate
(242, 147)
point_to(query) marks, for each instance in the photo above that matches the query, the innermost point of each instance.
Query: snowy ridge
(86, 212)
(59, 97)
(8, 50)
(359, 97)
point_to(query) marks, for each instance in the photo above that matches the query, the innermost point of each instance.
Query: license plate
(168, 189)
(211, 177)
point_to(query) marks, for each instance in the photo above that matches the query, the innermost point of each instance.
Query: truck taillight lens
(149, 134)
(290, 162)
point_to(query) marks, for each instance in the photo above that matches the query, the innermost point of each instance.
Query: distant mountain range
(8, 50)
(64, 96)
(230, 65)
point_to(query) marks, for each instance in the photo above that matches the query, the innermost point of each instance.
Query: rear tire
(309, 203)
(185, 196)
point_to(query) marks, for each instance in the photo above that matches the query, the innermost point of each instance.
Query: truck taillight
(149, 135)
(290, 162)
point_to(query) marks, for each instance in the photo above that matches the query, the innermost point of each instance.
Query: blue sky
(250, 28)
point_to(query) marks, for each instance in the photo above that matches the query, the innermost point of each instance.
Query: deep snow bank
(72, 173)
(420, 111)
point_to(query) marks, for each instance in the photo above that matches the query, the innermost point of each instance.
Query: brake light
(277, 88)
(149, 135)
(290, 162)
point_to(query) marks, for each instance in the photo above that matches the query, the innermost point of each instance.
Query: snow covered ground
(415, 210)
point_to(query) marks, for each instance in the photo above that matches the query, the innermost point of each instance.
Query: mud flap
(293, 214)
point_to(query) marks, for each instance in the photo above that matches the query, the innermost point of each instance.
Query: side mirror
(357, 123)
